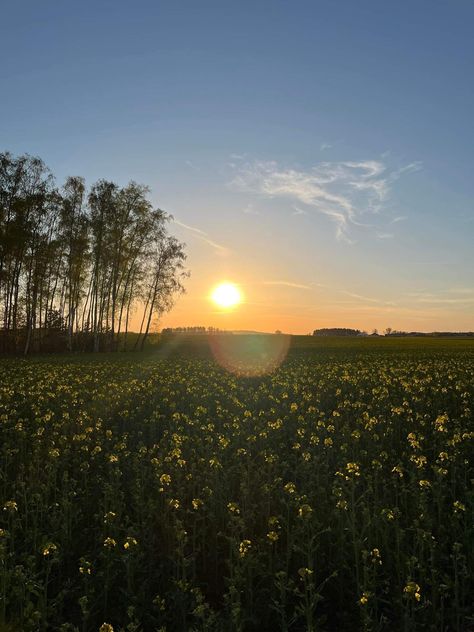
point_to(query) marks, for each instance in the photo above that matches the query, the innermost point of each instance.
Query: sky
(319, 154)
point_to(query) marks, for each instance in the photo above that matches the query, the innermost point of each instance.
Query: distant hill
(432, 334)
(210, 330)
(250, 331)
(324, 332)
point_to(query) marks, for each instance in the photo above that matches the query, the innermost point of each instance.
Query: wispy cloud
(203, 236)
(325, 146)
(447, 296)
(366, 299)
(191, 165)
(360, 297)
(461, 290)
(299, 211)
(343, 191)
(448, 301)
(399, 218)
(434, 262)
(250, 210)
(300, 286)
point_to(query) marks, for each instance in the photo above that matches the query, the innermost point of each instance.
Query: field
(159, 491)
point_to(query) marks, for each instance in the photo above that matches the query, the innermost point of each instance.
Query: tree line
(167, 331)
(337, 331)
(77, 265)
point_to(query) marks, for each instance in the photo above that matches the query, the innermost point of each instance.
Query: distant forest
(341, 331)
(77, 264)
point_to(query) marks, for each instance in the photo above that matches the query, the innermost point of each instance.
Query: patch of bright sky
(250, 122)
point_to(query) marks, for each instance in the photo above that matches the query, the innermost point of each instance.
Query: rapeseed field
(145, 492)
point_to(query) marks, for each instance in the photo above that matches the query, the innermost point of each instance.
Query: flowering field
(148, 493)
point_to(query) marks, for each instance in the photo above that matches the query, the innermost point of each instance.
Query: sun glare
(226, 295)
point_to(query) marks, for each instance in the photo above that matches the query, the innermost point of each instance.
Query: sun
(226, 295)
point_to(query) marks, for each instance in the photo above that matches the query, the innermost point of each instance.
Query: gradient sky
(317, 153)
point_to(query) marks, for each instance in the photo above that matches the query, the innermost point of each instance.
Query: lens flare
(249, 355)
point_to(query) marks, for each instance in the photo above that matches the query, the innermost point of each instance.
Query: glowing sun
(226, 295)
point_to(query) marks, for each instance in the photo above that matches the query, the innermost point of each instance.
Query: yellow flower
(10, 506)
(440, 423)
(197, 502)
(233, 508)
(129, 543)
(353, 468)
(305, 511)
(165, 479)
(290, 488)
(305, 573)
(106, 627)
(375, 556)
(413, 590)
(109, 543)
(364, 598)
(244, 547)
(388, 514)
(272, 536)
(109, 516)
(85, 567)
(419, 460)
(398, 470)
(49, 549)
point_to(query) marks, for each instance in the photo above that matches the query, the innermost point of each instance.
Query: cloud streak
(300, 286)
(342, 191)
(203, 236)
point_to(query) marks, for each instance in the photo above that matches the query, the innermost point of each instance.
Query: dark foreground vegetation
(77, 266)
(161, 492)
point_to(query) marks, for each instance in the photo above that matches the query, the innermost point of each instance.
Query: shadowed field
(164, 491)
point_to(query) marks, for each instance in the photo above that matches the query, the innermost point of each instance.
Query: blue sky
(320, 154)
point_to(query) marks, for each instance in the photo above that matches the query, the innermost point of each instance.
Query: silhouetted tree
(79, 263)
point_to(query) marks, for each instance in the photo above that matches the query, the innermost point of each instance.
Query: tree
(164, 280)
(77, 264)
(74, 234)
